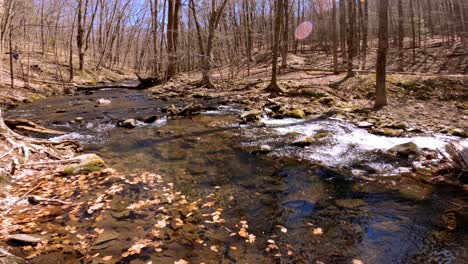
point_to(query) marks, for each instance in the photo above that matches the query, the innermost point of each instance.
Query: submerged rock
(87, 163)
(405, 150)
(128, 123)
(297, 113)
(303, 142)
(23, 238)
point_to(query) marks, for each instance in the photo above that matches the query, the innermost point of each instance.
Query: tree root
(22, 147)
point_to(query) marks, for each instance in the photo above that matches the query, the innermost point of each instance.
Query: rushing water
(372, 221)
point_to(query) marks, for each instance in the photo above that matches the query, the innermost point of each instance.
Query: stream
(380, 221)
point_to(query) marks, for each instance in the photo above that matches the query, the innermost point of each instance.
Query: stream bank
(234, 205)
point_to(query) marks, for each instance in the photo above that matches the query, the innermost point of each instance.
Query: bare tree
(207, 51)
(273, 87)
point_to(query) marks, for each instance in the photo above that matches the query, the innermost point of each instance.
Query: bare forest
(233, 131)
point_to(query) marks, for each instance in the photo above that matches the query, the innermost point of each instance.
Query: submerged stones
(87, 163)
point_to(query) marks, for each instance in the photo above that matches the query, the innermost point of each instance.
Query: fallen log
(140, 84)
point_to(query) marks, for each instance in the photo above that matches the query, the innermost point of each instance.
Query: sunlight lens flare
(304, 30)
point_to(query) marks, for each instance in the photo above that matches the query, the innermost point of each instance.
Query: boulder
(303, 142)
(251, 116)
(103, 101)
(86, 163)
(128, 123)
(405, 149)
(297, 113)
(458, 132)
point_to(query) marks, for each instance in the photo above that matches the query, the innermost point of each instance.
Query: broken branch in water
(34, 199)
(21, 198)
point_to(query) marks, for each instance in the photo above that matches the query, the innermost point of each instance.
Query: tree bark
(381, 93)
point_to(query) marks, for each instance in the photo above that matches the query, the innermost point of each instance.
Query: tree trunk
(343, 29)
(80, 35)
(334, 38)
(172, 36)
(351, 29)
(413, 32)
(365, 44)
(285, 40)
(401, 36)
(381, 93)
(273, 88)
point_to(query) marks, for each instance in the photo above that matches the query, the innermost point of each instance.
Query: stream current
(373, 221)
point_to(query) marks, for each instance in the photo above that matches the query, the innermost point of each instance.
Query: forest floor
(47, 78)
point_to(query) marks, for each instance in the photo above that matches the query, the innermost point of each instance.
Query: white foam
(71, 136)
(347, 143)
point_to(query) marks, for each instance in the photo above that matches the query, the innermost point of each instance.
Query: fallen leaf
(357, 261)
(106, 258)
(181, 261)
(214, 248)
(318, 231)
(251, 238)
(243, 232)
(161, 224)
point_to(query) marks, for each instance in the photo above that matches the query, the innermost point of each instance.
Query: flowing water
(374, 221)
